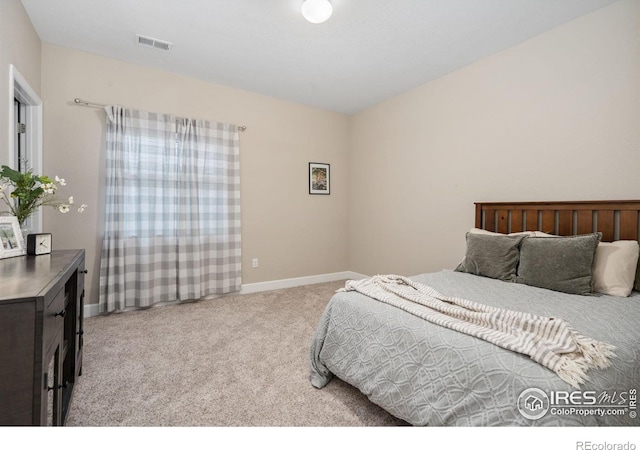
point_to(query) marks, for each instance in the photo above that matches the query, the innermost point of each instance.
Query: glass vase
(25, 230)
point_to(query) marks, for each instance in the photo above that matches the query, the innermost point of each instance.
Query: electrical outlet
(254, 263)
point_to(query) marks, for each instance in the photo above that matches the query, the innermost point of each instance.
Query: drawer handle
(84, 271)
(62, 386)
(61, 313)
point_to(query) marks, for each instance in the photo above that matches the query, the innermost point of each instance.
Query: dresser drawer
(53, 317)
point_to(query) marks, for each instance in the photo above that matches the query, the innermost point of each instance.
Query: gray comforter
(430, 375)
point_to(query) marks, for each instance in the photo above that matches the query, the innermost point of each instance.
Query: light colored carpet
(233, 361)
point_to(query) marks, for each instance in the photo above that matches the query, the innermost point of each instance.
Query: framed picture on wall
(319, 179)
(11, 243)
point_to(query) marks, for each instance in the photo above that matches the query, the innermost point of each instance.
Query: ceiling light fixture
(316, 11)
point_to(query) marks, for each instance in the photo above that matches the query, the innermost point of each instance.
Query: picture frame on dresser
(11, 242)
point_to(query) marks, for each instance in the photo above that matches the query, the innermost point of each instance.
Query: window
(20, 136)
(25, 139)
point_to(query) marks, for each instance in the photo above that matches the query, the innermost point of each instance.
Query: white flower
(60, 181)
(63, 208)
(49, 188)
(82, 207)
(71, 200)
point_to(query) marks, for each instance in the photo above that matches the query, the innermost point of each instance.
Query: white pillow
(480, 231)
(542, 234)
(615, 266)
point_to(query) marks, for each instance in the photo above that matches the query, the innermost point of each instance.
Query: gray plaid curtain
(172, 225)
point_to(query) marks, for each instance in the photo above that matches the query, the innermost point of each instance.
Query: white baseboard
(93, 309)
(302, 281)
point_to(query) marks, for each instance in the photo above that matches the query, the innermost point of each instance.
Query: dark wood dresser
(41, 314)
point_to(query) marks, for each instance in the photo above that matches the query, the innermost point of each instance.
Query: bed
(427, 374)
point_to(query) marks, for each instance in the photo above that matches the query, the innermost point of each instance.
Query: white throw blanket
(547, 340)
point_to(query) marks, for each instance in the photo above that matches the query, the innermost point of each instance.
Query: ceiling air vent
(147, 41)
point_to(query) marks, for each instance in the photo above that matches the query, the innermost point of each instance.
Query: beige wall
(293, 234)
(554, 118)
(20, 46)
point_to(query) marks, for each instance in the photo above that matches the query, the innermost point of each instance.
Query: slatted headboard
(615, 219)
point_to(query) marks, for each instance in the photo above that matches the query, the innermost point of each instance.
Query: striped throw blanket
(547, 340)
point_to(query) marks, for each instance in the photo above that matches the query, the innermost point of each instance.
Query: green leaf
(10, 174)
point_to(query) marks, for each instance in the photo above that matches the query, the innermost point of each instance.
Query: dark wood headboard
(615, 219)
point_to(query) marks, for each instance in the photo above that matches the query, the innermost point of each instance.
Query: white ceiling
(368, 51)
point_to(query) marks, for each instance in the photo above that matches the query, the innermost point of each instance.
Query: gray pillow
(562, 264)
(491, 256)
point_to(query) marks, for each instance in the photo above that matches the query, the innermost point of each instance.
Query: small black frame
(319, 178)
